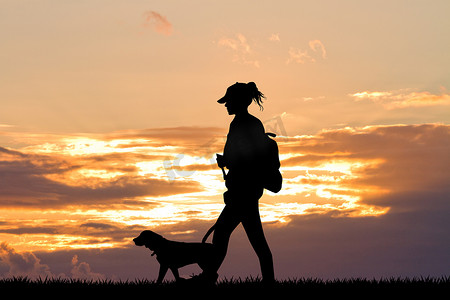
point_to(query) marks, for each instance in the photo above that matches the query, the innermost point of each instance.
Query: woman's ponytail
(255, 94)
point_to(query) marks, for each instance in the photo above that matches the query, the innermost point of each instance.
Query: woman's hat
(234, 91)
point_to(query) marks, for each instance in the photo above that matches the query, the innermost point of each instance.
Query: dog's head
(149, 239)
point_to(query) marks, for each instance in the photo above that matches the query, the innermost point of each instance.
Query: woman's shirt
(243, 146)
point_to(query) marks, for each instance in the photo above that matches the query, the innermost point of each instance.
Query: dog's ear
(156, 237)
(152, 237)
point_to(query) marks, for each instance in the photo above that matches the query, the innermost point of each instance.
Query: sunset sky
(109, 125)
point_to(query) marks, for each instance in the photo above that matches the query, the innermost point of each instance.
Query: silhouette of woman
(241, 157)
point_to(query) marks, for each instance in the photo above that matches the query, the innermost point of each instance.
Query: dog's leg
(162, 272)
(175, 273)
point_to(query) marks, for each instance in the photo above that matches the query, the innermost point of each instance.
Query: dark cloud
(82, 270)
(17, 264)
(18, 228)
(89, 233)
(25, 181)
(404, 157)
(27, 264)
(96, 225)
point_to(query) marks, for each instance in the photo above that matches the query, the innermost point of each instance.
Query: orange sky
(109, 125)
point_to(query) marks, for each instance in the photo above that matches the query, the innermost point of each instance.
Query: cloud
(25, 184)
(158, 23)
(376, 195)
(410, 177)
(239, 46)
(115, 170)
(82, 270)
(305, 56)
(299, 56)
(274, 37)
(239, 43)
(17, 264)
(400, 157)
(80, 176)
(57, 179)
(317, 46)
(403, 98)
(244, 53)
(346, 173)
(27, 264)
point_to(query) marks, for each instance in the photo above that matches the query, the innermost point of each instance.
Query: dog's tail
(208, 233)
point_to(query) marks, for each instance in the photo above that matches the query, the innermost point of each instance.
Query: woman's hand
(220, 161)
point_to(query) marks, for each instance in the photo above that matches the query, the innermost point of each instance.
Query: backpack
(271, 175)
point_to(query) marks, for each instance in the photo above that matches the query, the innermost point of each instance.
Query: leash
(208, 233)
(210, 230)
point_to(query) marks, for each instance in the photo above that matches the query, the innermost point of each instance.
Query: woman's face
(235, 106)
(231, 107)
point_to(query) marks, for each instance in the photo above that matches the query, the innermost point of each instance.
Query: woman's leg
(253, 228)
(225, 225)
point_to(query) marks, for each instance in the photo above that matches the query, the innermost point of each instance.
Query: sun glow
(150, 168)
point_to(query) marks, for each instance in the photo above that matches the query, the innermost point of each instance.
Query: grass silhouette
(289, 288)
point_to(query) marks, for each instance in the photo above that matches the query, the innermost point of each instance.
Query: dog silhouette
(174, 255)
